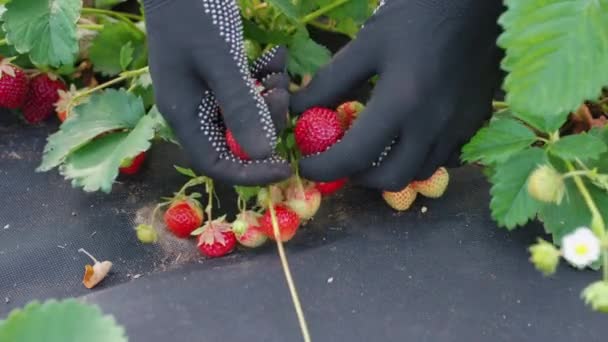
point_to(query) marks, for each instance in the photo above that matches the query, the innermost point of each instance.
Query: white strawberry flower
(581, 248)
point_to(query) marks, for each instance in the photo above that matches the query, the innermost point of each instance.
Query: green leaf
(560, 220)
(556, 56)
(511, 204)
(252, 31)
(498, 142)
(163, 131)
(355, 10)
(46, 29)
(53, 321)
(579, 146)
(305, 55)
(126, 55)
(95, 166)
(112, 39)
(247, 192)
(184, 171)
(106, 111)
(286, 7)
(107, 3)
(602, 162)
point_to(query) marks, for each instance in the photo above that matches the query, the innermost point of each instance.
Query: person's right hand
(198, 66)
(438, 68)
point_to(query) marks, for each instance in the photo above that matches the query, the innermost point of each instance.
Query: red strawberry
(305, 201)
(184, 216)
(131, 166)
(216, 239)
(13, 85)
(348, 112)
(328, 188)
(41, 98)
(287, 219)
(246, 231)
(234, 146)
(317, 129)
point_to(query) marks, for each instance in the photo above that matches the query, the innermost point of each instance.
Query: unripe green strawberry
(146, 233)
(435, 186)
(400, 200)
(246, 231)
(305, 201)
(544, 256)
(547, 185)
(276, 194)
(596, 296)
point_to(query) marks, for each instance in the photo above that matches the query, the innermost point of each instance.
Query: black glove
(438, 67)
(198, 65)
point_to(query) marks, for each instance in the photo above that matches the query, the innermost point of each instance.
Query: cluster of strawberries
(36, 95)
(294, 201)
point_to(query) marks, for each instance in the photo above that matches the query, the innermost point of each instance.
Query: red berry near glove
(246, 229)
(287, 220)
(217, 238)
(131, 166)
(317, 129)
(329, 188)
(234, 146)
(41, 98)
(435, 186)
(183, 217)
(13, 85)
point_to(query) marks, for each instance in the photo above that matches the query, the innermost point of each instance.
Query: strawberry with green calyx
(348, 113)
(41, 98)
(131, 166)
(184, 213)
(184, 216)
(246, 231)
(329, 188)
(287, 220)
(304, 200)
(400, 200)
(435, 186)
(317, 129)
(216, 238)
(13, 85)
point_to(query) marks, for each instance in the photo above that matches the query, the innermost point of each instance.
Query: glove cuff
(150, 5)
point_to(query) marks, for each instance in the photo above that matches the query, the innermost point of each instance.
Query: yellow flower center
(581, 249)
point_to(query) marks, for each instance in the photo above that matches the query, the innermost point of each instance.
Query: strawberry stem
(124, 17)
(82, 250)
(210, 191)
(290, 283)
(122, 77)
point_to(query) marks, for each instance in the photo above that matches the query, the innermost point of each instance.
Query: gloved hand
(204, 84)
(438, 68)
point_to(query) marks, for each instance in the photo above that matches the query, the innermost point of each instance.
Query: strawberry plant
(87, 63)
(545, 150)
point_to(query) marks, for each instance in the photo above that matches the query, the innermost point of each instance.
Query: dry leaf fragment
(93, 275)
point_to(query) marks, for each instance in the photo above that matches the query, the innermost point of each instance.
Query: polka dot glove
(204, 85)
(438, 68)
